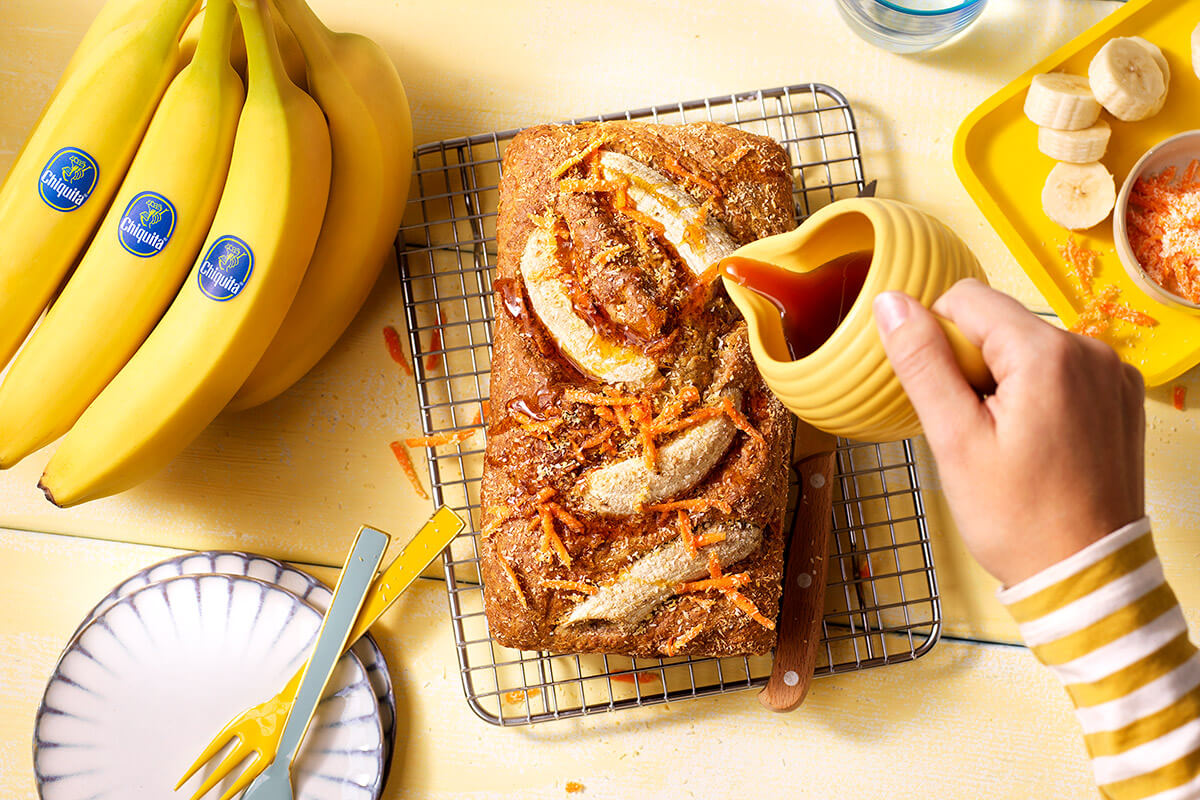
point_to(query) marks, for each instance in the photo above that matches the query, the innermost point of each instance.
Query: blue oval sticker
(68, 179)
(147, 224)
(226, 268)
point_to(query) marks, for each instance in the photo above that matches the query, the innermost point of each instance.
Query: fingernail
(891, 309)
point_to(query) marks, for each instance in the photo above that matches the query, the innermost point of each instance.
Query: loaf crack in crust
(635, 476)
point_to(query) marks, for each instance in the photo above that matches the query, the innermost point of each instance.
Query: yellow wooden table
(296, 477)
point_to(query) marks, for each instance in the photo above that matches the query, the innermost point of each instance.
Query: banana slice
(618, 489)
(1061, 101)
(652, 579)
(656, 196)
(1161, 60)
(1126, 80)
(1078, 196)
(1076, 147)
(598, 356)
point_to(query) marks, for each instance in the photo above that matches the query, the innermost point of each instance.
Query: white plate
(144, 687)
(301, 584)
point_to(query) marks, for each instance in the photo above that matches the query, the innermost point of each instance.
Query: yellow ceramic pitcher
(847, 386)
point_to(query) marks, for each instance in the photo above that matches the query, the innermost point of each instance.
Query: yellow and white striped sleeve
(1106, 622)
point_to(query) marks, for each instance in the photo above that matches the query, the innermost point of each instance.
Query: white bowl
(1177, 151)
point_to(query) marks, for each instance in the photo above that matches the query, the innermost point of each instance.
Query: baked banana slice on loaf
(636, 468)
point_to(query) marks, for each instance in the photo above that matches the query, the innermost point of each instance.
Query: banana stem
(264, 64)
(310, 32)
(216, 36)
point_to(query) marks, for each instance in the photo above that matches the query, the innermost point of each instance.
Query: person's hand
(1048, 464)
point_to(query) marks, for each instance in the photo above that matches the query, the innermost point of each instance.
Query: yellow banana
(289, 48)
(140, 255)
(233, 300)
(75, 159)
(358, 88)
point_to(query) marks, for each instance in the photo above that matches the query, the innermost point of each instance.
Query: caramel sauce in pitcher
(812, 304)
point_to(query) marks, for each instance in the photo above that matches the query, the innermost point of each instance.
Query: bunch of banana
(63, 180)
(232, 303)
(140, 256)
(225, 257)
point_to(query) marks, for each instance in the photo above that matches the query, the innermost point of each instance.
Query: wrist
(1017, 588)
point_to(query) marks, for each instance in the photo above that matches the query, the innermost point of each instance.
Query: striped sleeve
(1106, 622)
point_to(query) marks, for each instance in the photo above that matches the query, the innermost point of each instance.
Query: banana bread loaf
(635, 476)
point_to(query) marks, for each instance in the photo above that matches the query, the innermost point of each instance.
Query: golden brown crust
(549, 426)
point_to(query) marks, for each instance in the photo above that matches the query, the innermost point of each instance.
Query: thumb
(946, 405)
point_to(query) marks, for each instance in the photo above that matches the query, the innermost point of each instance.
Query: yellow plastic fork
(256, 731)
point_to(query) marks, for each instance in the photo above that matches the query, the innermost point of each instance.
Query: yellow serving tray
(996, 157)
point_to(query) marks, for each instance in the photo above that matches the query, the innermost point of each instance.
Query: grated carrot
(501, 516)
(407, 465)
(644, 219)
(695, 418)
(711, 584)
(689, 394)
(546, 493)
(738, 154)
(516, 584)
(571, 586)
(746, 605)
(438, 439)
(1161, 223)
(478, 421)
(637, 677)
(573, 786)
(674, 166)
(682, 640)
(705, 539)
(435, 344)
(395, 348)
(521, 695)
(686, 533)
(622, 413)
(714, 565)
(599, 439)
(551, 539)
(573, 186)
(566, 517)
(1132, 316)
(1081, 261)
(591, 147)
(1178, 397)
(696, 504)
(593, 399)
(739, 420)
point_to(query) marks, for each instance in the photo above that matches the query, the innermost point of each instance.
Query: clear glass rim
(916, 12)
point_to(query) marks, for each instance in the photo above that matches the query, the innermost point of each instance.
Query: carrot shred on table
(570, 586)
(516, 584)
(574, 786)
(686, 533)
(740, 422)
(1178, 397)
(713, 584)
(1130, 315)
(438, 439)
(407, 465)
(478, 421)
(1081, 261)
(395, 349)
(746, 605)
(435, 344)
(642, 676)
(521, 695)
(695, 504)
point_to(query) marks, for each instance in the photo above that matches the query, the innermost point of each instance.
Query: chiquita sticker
(68, 179)
(226, 268)
(147, 224)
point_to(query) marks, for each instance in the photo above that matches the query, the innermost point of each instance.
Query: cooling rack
(881, 599)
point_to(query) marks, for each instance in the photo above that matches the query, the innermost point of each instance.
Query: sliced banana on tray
(597, 355)
(1061, 101)
(1078, 147)
(1078, 196)
(658, 197)
(653, 578)
(1127, 80)
(1161, 60)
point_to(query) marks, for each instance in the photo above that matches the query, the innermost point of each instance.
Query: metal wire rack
(881, 601)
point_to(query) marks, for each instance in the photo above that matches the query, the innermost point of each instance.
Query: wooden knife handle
(803, 602)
